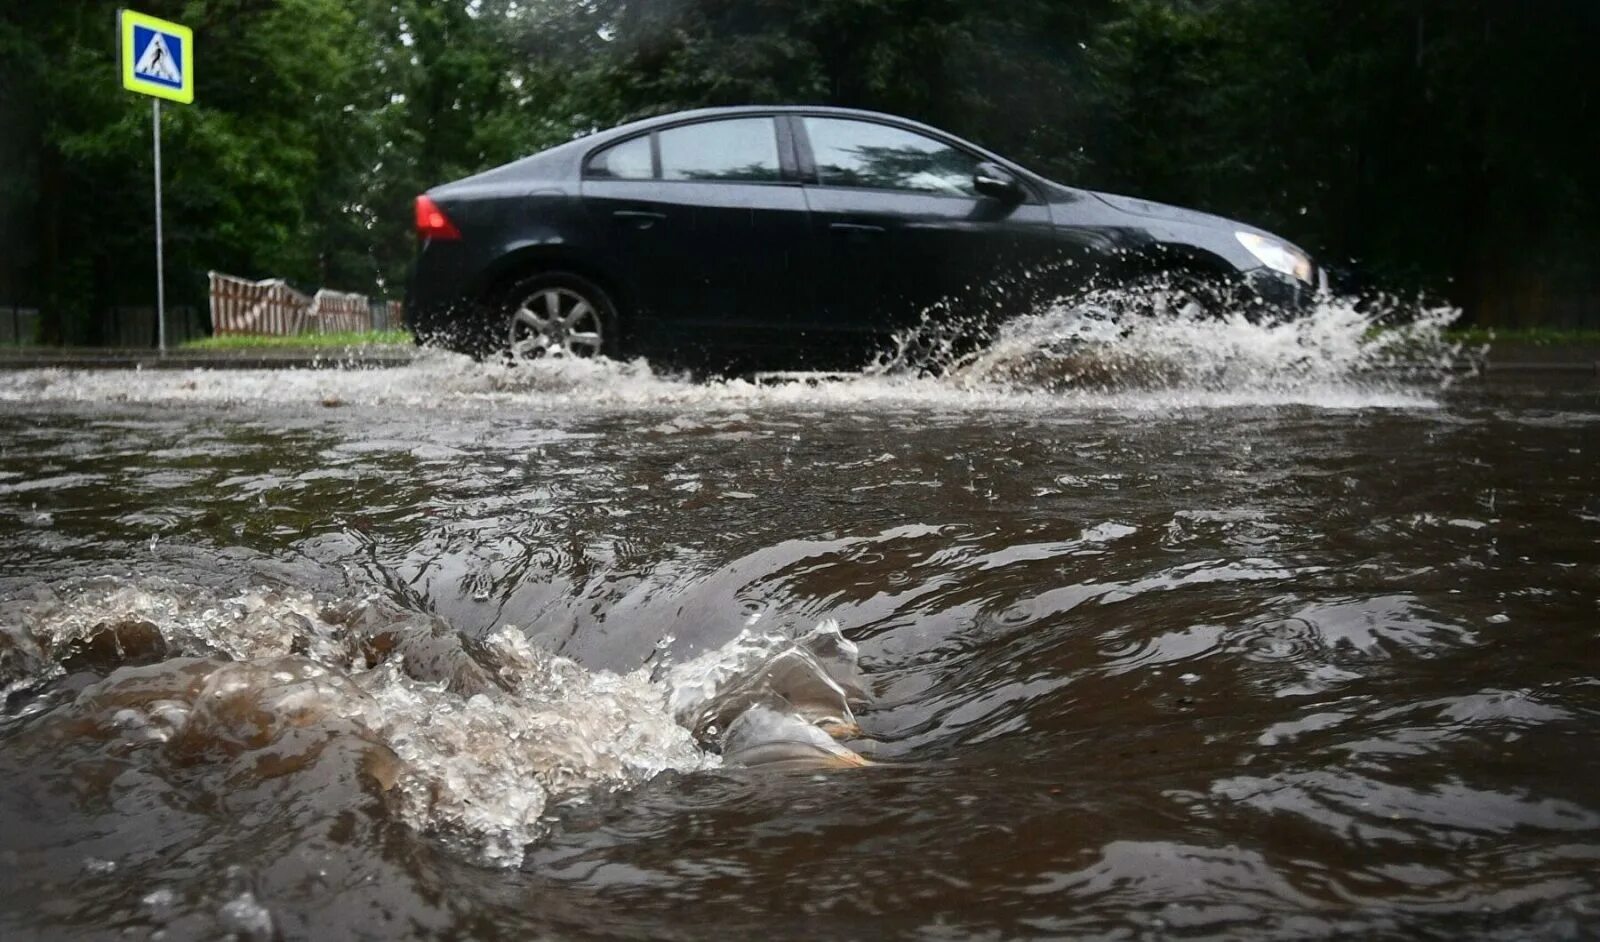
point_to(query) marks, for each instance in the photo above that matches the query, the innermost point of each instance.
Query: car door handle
(855, 228)
(638, 218)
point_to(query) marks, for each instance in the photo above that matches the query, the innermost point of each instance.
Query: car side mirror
(997, 182)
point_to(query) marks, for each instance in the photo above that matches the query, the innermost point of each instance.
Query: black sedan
(793, 236)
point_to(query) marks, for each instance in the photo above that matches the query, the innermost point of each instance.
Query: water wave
(470, 741)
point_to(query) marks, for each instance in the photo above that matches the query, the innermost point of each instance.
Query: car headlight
(1277, 256)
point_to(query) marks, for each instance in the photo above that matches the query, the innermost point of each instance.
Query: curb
(1571, 368)
(150, 360)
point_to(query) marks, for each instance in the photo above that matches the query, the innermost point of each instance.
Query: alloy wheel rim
(555, 322)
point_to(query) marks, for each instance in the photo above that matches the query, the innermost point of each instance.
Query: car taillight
(432, 223)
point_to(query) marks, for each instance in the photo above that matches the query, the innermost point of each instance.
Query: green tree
(1431, 144)
(254, 171)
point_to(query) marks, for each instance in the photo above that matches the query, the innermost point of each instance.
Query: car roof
(727, 111)
(567, 156)
(600, 138)
(733, 111)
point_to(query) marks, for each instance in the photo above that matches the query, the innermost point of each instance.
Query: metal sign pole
(161, 280)
(157, 59)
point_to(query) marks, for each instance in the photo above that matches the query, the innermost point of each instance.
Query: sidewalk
(1570, 360)
(1574, 359)
(279, 358)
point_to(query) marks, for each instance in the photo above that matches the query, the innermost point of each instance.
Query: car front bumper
(1286, 292)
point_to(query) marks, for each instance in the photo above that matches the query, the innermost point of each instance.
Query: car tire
(551, 314)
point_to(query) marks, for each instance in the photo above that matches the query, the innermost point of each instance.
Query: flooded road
(1266, 647)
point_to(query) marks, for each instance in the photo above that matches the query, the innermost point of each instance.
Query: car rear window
(876, 156)
(629, 160)
(738, 149)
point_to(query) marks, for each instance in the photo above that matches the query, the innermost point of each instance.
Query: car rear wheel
(556, 315)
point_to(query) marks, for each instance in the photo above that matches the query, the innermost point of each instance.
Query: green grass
(354, 338)
(1533, 336)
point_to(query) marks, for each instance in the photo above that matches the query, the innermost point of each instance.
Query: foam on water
(1105, 350)
(470, 741)
(1096, 342)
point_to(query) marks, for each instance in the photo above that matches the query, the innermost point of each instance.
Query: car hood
(1150, 209)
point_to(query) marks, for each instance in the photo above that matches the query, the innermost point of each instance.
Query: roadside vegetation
(1530, 336)
(368, 338)
(1406, 141)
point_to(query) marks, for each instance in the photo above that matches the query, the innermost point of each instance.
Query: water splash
(470, 741)
(1143, 349)
(813, 680)
(1163, 336)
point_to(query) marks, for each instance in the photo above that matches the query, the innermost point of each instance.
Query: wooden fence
(333, 311)
(240, 306)
(388, 315)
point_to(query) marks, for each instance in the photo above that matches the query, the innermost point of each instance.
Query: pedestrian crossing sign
(157, 57)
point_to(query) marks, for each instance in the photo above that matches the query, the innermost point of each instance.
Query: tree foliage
(1440, 145)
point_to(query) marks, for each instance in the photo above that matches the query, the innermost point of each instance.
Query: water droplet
(246, 917)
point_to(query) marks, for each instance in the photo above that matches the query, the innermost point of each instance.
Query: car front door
(901, 229)
(708, 225)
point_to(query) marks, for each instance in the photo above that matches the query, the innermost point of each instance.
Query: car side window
(735, 150)
(876, 156)
(629, 160)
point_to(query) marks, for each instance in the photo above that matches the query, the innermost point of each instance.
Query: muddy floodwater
(1264, 643)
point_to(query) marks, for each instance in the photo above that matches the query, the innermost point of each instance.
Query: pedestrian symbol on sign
(157, 62)
(157, 57)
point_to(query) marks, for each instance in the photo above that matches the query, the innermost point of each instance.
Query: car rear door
(708, 225)
(900, 227)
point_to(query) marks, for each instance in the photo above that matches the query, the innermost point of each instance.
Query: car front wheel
(556, 315)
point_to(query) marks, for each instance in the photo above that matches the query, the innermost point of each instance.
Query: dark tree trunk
(52, 316)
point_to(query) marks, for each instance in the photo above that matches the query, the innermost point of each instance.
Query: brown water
(287, 655)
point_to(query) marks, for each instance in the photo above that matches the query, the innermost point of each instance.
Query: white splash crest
(468, 741)
(1097, 343)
